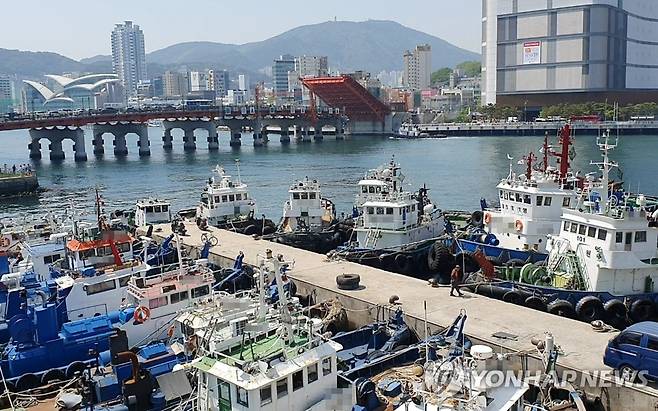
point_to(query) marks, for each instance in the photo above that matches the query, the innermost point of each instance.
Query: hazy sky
(81, 28)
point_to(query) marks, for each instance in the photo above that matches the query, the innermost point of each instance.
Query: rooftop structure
(58, 92)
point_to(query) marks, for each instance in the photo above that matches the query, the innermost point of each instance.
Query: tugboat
(530, 208)
(603, 265)
(395, 228)
(309, 220)
(227, 204)
(290, 367)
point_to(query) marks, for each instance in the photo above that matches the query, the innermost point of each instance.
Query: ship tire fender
(468, 262)
(513, 297)
(590, 308)
(477, 217)
(250, 230)
(563, 308)
(267, 230)
(403, 263)
(348, 281)
(438, 255)
(76, 367)
(536, 303)
(642, 310)
(27, 382)
(53, 374)
(616, 313)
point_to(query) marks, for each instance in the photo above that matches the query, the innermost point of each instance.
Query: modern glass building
(280, 69)
(60, 92)
(536, 52)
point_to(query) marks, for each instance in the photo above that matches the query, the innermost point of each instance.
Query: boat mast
(563, 155)
(605, 166)
(529, 160)
(545, 152)
(237, 164)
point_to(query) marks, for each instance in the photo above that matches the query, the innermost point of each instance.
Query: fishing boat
(227, 204)
(290, 367)
(530, 208)
(394, 228)
(309, 220)
(602, 264)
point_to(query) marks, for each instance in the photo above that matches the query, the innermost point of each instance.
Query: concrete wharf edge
(582, 347)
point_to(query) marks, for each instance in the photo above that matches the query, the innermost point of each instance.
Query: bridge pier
(304, 135)
(236, 136)
(213, 139)
(56, 151)
(285, 135)
(167, 140)
(189, 140)
(144, 144)
(97, 142)
(120, 146)
(317, 133)
(35, 147)
(259, 140)
(55, 136)
(79, 145)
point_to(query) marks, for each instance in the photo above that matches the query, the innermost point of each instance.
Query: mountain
(31, 63)
(372, 45)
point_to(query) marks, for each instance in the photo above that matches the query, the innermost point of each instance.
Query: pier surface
(582, 346)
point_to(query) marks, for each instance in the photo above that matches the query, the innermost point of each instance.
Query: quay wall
(18, 184)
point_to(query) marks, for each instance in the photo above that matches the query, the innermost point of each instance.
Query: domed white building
(58, 92)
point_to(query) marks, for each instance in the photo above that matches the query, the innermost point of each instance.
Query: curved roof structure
(93, 86)
(89, 83)
(45, 92)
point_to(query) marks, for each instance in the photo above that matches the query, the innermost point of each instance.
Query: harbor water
(457, 170)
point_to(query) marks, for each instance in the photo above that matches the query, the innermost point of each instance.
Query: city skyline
(237, 24)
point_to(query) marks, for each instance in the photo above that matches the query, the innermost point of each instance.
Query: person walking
(455, 281)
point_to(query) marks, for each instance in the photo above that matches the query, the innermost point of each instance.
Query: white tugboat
(288, 368)
(309, 220)
(227, 204)
(530, 208)
(152, 211)
(603, 265)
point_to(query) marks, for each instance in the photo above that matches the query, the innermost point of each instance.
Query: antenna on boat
(237, 164)
(510, 176)
(605, 166)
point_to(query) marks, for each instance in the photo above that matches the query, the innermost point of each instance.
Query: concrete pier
(120, 145)
(56, 136)
(167, 140)
(189, 140)
(119, 131)
(285, 135)
(236, 137)
(317, 133)
(582, 347)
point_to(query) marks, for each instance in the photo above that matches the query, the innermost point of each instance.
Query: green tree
(470, 68)
(442, 75)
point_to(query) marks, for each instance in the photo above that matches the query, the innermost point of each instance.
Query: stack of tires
(441, 261)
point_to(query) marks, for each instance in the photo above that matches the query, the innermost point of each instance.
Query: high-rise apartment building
(311, 66)
(175, 84)
(199, 81)
(218, 81)
(417, 67)
(538, 52)
(128, 56)
(6, 94)
(243, 82)
(280, 69)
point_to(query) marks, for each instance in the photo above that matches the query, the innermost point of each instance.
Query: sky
(81, 28)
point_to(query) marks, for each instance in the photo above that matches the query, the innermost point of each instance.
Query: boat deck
(582, 346)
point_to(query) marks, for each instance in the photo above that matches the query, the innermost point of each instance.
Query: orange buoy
(141, 314)
(487, 218)
(518, 225)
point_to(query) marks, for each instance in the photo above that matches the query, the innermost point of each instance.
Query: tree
(470, 68)
(442, 75)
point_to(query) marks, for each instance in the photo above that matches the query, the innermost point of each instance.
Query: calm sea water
(457, 170)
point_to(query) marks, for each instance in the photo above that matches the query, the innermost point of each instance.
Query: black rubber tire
(53, 374)
(468, 262)
(439, 257)
(513, 297)
(642, 310)
(616, 313)
(563, 308)
(27, 382)
(491, 291)
(403, 263)
(477, 217)
(590, 308)
(250, 230)
(536, 303)
(74, 368)
(348, 281)
(268, 230)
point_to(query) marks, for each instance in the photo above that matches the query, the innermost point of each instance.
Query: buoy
(487, 218)
(141, 314)
(518, 225)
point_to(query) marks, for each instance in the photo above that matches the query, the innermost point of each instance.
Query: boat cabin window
(84, 254)
(547, 201)
(566, 201)
(526, 198)
(266, 395)
(602, 234)
(619, 237)
(304, 196)
(243, 397)
(371, 189)
(500, 194)
(282, 388)
(540, 200)
(380, 210)
(581, 229)
(574, 227)
(364, 189)
(123, 247)
(178, 297)
(371, 210)
(312, 372)
(640, 236)
(123, 281)
(389, 210)
(224, 392)
(506, 195)
(168, 288)
(224, 199)
(165, 208)
(49, 259)
(517, 197)
(298, 380)
(231, 197)
(312, 196)
(326, 366)
(100, 287)
(295, 196)
(200, 291)
(238, 197)
(157, 302)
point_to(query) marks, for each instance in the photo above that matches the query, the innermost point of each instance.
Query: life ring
(487, 218)
(141, 314)
(518, 224)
